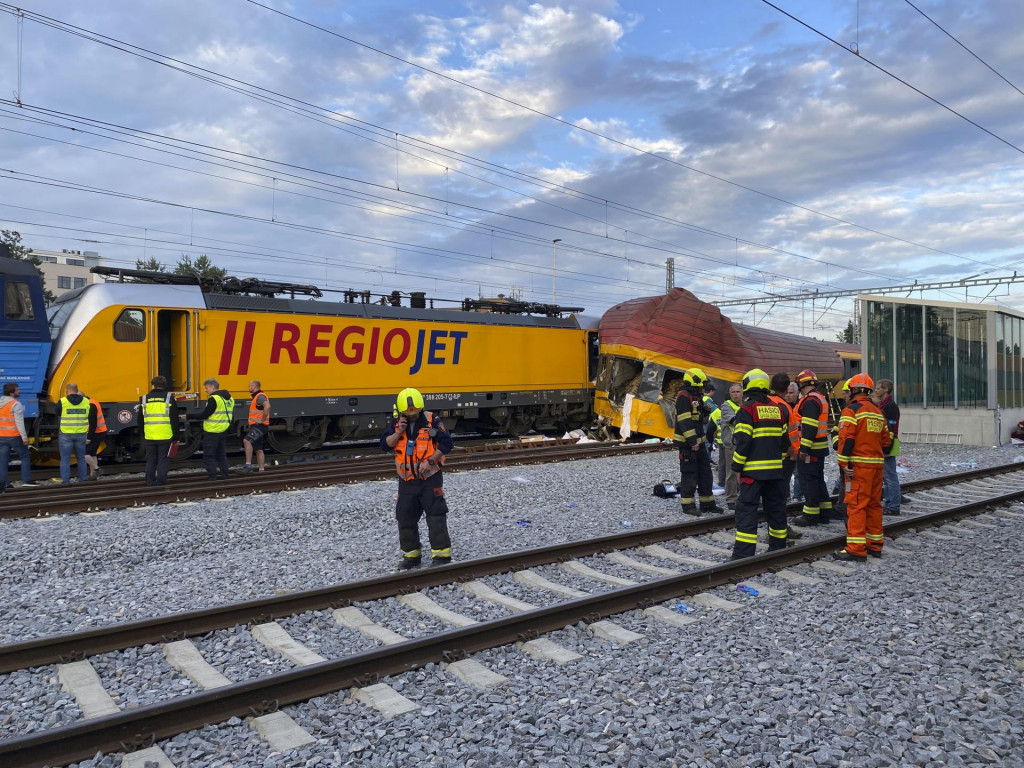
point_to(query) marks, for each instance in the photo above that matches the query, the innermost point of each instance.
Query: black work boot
(849, 557)
(434, 562)
(407, 563)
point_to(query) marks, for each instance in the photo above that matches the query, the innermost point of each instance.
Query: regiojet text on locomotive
(348, 345)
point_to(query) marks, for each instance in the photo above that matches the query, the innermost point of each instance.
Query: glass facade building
(943, 355)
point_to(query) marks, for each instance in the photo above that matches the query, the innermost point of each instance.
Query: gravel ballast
(912, 660)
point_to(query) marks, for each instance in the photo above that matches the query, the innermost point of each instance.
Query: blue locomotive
(24, 329)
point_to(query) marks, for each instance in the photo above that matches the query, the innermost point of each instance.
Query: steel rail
(142, 727)
(113, 494)
(68, 647)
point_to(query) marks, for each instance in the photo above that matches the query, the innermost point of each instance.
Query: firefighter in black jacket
(694, 461)
(760, 440)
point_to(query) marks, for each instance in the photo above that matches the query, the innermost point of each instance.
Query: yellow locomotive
(330, 369)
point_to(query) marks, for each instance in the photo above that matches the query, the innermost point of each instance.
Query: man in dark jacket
(760, 440)
(689, 437)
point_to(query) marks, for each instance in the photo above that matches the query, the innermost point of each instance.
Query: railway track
(681, 569)
(328, 452)
(114, 493)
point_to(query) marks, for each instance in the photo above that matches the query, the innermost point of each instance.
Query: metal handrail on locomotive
(331, 369)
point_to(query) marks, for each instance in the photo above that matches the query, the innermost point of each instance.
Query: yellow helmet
(756, 379)
(694, 378)
(409, 401)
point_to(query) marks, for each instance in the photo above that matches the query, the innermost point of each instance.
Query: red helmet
(805, 377)
(860, 381)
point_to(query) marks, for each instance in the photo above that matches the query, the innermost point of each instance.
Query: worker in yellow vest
(218, 417)
(77, 419)
(159, 426)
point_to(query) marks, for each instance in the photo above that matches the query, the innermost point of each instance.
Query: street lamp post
(554, 245)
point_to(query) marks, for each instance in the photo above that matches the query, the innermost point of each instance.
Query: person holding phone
(420, 442)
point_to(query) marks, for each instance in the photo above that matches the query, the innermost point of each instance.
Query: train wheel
(286, 442)
(193, 442)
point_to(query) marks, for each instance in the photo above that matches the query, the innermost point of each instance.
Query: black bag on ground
(665, 490)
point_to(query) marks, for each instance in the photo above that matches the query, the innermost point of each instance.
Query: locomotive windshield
(57, 314)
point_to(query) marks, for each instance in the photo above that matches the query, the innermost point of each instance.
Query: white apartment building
(66, 270)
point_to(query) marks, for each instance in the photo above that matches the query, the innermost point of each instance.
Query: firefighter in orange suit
(694, 460)
(810, 461)
(760, 440)
(864, 441)
(420, 442)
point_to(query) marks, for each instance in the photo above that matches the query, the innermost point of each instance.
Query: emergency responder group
(764, 438)
(763, 435)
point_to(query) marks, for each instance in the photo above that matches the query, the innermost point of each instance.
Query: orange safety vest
(409, 457)
(793, 427)
(256, 416)
(101, 423)
(863, 435)
(817, 445)
(8, 426)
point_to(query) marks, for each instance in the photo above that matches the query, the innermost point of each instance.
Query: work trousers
(157, 461)
(695, 477)
(723, 464)
(68, 445)
(817, 501)
(416, 499)
(890, 485)
(731, 485)
(788, 468)
(864, 511)
(215, 454)
(771, 494)
(9, 445)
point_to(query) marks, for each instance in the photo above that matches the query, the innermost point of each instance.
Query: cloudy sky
(443, 146)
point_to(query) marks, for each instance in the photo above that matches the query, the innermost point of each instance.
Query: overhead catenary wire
(637, 261)
(382, 131)
(266, 173)
(948, 34)
(590, 131)
(897, 78)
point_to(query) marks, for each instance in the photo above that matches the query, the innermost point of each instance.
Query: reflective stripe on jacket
(74, 419)
(8, 426)
(409, 455)
(256, 416)
(760, 439)
(792, 421)
(864, 437)
(220, 420)
(690, 422)
(157, 418)
(813, 411)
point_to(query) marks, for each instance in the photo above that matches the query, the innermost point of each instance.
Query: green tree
(849, 334)
(150, 265)
(201, 267)
(12, 239)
